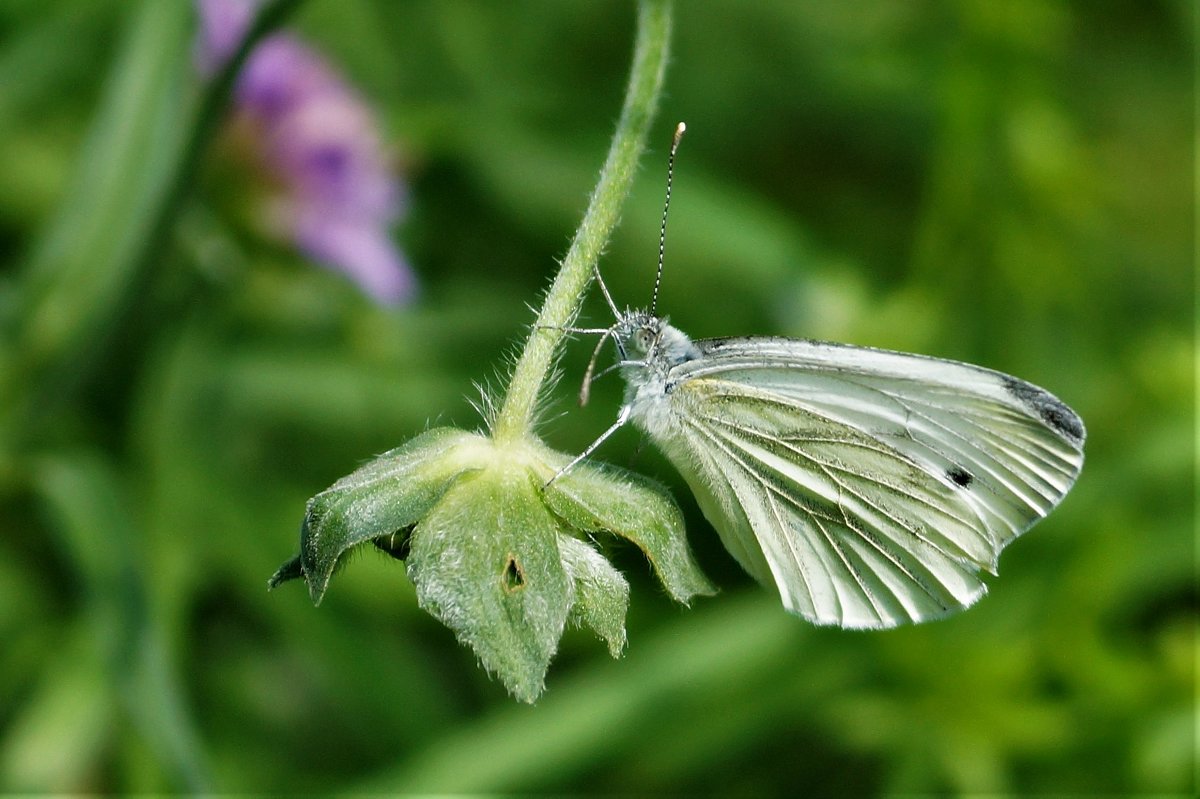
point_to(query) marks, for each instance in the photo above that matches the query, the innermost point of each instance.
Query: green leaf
(486, 563)
(109, 234)
(594, 497)
(88, 501)
(86, 261)
(390, 493)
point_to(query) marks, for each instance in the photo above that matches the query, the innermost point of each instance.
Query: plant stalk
(516, 416)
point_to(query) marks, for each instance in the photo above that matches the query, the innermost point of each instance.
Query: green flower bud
(495, 553)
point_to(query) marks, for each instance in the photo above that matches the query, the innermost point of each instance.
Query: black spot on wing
(1053, 411)
(960, 476)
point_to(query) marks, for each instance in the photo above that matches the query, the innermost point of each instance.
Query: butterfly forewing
(869, 486)
(1013, 448)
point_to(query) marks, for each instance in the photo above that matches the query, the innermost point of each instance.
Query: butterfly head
(642, 336)
(636, 333)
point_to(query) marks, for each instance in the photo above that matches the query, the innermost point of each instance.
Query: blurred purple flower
(321, 144)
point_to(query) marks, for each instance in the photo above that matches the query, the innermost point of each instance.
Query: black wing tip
(1049, 408)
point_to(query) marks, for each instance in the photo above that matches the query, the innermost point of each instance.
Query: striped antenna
(662, 231)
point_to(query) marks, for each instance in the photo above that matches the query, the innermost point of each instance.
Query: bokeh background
(1007, 183)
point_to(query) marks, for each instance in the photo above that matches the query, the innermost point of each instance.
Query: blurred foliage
(1005, 183)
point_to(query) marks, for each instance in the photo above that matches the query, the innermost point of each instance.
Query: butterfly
(869, 487)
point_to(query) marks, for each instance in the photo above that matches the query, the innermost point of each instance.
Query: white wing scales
(869, 486)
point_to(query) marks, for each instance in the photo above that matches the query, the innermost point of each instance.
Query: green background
(1007, 183)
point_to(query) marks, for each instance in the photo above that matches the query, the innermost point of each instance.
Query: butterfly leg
(588, 331)
(614, 367)
(622, 418)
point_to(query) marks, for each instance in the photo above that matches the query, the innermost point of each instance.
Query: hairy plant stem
(516, 416)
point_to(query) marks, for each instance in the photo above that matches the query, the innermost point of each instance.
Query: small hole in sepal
(514, 576)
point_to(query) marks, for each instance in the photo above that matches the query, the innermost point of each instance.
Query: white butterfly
(870, 487)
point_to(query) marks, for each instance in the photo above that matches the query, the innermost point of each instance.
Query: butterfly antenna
(662, 231)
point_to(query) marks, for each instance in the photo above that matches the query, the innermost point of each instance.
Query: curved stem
(516, 415)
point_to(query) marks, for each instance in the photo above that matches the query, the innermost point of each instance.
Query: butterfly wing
(870, 487)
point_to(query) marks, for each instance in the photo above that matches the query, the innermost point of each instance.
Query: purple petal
(223, 23)
(362, 252)
(330, 151)
(283, 74)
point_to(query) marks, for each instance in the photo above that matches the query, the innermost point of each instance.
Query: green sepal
(601, 593)
(486, 562)
(497, 546)
(393, 491)
(600, 497)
